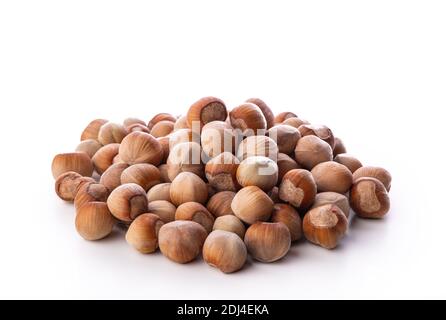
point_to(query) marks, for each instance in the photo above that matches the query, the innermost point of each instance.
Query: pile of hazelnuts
(218, 183)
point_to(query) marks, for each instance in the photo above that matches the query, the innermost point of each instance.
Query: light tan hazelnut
(217, 137)
(183, 135)
(311, 150)
(251, 205)
(164, 173)
(111, 133)
(160, 117)
(206, 110)
(349, 161)
(68, 184)
(231, 224)
(325, 226)
(163, 209)
(248, 119)
(105, 157)
(94, 221)
(185, 157)
(143, 174)
(143, 233)
(127, 202)
(258, 171)
(267, 112)
(132, 121)
(374, 172)
(181, 123)
(138, 127)
(92, 129)
(220, 203)
(221, 172)
(90, 192)
(78, 162)
(194, 211)
(162, 128)
(140, 147)
(159, 192)
(188, 187)
(281, 117)
(290, 217)
(225, 251)
(298, 188)
(320, 131)
(340, 200)
(295, 122)
(339, 147)
(111, 178)
(332, 176)
(257, 146)
(285, 136)
(268, 242)
(181, 241)
(89, 146)
(369, 198)
(285, 163)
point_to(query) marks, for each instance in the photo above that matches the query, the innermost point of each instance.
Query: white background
(374, 71)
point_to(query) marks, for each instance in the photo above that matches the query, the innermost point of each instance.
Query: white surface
(373, 71)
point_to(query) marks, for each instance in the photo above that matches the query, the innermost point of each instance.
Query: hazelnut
(332, 176)
(290, 217)
(137, 127)
(193, 211)
(266, 111)
(268, 242)
(298, 188)
(117, 159)
(162, 128)
(89, 146)
(188, 187)
(206, 110)
(90, 192)
(217, 137)
(339, 147)
(159, 192)
(285, 136)
(221, 172)
(258, 171)
(258, 146)
(128, 122)
(143, 174)
(92, 130)
(249, 119)
(111, 133)
(374, 172)
(111, 178)
(78, 162)
(274, 195)
(160, 117)
(68, 184)
(185, 157)
(369, 198)
(181, 123)
(349, 161)
(220, 203)
(163, 209)
(231, 224)
(251, 205)
(164, 176)
(105, 157)
(140, 147)
(94, 221)
(164, 143)
(295, 122)
(181, 241)
(325, 226)
(183, 135)
(225, 251)
(322, 132)
(338, 199)
(311, 150)
(127, 202)
(281, 117)
(285, 163)
(143, 233)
